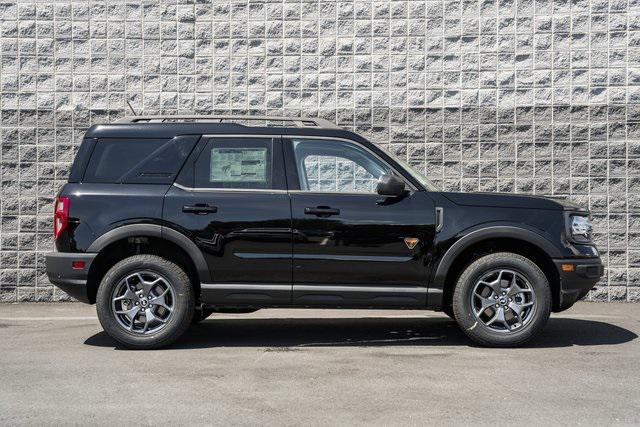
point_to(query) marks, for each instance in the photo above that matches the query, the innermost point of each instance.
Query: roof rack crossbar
(295, 121)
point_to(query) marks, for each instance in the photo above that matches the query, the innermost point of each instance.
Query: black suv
(166, 220)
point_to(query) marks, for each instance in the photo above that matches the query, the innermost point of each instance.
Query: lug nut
(504, 293)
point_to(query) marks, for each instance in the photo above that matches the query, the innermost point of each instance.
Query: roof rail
(291, 121)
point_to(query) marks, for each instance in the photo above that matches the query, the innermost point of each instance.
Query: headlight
(581, 228)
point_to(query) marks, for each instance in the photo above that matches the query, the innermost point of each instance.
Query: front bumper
(71, 280)
(577, 283)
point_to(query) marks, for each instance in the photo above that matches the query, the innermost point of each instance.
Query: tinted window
(142, 161)
(337, 166)
(113, 158)
(243, 163)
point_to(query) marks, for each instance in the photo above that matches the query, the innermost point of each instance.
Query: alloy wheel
(503, 300)
(143, 302)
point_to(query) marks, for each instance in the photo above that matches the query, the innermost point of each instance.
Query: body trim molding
(372, 289)
(436, 285)
(361, 258)
(246, 286)
(313, 288)
(154, 230)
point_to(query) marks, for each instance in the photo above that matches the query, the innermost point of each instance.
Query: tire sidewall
(183, 307)
(475, 328)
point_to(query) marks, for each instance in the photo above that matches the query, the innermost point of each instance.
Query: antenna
(132, 110)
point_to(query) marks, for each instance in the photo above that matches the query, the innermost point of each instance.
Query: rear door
(231, 200)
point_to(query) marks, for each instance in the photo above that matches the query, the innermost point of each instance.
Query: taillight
(60, 216)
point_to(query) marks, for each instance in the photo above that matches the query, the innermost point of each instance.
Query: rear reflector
(77, 265)
(60, 216)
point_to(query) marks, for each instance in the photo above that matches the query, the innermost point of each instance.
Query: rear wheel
(502, 300)
(145, 302)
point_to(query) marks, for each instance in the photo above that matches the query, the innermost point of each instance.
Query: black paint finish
(95, 209)
(280, 246)
(248, 239)
(362, 246)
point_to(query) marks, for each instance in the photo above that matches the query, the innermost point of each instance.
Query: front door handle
(200, 209)
(321, 211)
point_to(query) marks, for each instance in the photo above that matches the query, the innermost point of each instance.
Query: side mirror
(390, 186)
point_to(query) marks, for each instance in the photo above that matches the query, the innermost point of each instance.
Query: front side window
(336, 166)
(235, 163)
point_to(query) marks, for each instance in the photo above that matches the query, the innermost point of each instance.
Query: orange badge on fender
(411, 242)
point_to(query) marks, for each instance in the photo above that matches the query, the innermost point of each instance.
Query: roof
(170, 126)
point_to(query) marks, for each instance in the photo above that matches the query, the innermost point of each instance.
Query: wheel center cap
(144, 302)
(503, 300)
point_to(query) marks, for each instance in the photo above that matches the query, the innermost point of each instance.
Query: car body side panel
(371, 253)
(98, 209)
(467, 225)
(95, 209)
(246, 240)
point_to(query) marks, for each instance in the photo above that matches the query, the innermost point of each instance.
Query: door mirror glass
(390, 186)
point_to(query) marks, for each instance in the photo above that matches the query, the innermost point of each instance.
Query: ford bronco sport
(166, 220)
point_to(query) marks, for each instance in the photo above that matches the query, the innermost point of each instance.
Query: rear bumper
(71, 280)
(577, 283)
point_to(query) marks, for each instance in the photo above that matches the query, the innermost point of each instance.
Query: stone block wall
(528, 96)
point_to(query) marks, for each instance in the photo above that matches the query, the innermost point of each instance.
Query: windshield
(428, 185)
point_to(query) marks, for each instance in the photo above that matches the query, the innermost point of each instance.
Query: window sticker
(238, 165)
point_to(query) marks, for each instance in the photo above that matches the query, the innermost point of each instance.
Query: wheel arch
(490, 240)
(133, 239)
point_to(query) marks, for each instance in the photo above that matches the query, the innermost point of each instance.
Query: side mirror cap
(390, 186)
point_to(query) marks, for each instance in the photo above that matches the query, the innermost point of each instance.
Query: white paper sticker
(238, 165)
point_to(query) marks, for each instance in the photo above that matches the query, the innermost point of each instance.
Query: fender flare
(154, 230)
(486, 233)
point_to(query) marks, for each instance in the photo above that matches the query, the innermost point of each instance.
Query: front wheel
(145, 302)
(502, 300)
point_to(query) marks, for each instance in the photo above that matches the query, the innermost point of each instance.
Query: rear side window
(137, 161)
(240, 163)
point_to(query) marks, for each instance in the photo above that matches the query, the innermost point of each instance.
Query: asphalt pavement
(319, 367)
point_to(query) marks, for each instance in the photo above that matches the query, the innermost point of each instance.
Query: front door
(351, 247)
(231, 200)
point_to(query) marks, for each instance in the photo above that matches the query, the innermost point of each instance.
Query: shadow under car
(371, 331)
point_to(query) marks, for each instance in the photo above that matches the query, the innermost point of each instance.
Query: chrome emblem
(411, 242)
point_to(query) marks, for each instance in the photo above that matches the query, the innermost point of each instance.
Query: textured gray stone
(518, 96)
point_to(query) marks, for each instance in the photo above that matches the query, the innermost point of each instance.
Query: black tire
(183, 306)
(474, 327)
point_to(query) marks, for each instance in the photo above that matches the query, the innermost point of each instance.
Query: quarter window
(336, 166)
(125, 160)
(235, 163)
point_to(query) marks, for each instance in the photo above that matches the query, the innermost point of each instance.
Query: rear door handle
(321, 211)
(200, 209)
